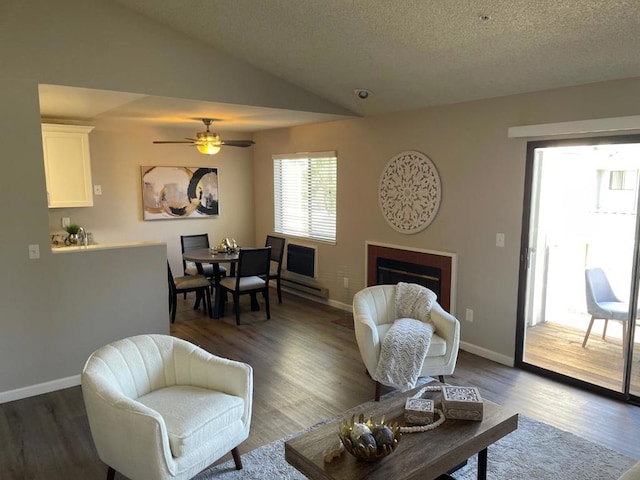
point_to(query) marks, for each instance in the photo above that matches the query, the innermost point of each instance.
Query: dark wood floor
(306, 368)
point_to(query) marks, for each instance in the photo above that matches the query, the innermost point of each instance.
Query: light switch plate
(499, 239)
(34, 251)
(97, 189)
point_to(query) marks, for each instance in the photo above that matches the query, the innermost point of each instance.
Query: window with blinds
(304, 188)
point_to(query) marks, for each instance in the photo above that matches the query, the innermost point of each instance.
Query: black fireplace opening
(390, 272)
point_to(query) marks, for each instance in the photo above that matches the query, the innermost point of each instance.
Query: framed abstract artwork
(179, 192)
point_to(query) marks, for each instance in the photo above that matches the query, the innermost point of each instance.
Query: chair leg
(266, 303)
(111, 473)
(376, 397)
(255, 306)
(441, 378)
(174, 306)
(236, 306)
(604, 330)
(208, 301)
(196, 305)
(236, 458)
(279, 290)
(586, 335)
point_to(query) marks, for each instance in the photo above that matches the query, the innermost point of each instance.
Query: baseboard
(324, 301)
(488, 354)
(341, 306)
(467, 347)
(39, 389)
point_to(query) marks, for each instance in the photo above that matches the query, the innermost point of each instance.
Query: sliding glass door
(579, 257)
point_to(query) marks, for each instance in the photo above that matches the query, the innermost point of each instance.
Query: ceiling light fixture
(363, 93)
(208, 142)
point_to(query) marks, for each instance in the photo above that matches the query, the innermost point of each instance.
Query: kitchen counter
(102, 246)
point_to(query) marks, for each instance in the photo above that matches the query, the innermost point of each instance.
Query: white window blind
(304, 188)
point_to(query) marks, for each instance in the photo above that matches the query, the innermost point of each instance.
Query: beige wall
(56, 310)
(120, 148)
(482, 174)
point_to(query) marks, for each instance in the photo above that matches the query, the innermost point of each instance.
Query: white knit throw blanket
(405, 345)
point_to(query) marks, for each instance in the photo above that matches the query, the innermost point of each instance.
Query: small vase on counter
(72, 239)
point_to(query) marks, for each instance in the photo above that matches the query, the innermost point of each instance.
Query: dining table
(215, 258)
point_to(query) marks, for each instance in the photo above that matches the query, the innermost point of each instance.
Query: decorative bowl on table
(369, 440)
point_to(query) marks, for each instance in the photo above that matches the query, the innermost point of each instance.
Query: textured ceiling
(416, 53)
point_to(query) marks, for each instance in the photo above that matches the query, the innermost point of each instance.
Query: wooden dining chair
(252, 277)
(189, 283)
(277, 252)
(196, 242)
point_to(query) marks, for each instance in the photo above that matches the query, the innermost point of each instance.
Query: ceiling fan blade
(237, 143)
(173, 141)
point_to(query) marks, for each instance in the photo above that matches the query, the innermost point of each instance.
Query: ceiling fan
(209, 142)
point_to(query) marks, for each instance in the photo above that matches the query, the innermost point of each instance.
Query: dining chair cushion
(193, 415)
(191, 281)
(207, 269)
(246, 283)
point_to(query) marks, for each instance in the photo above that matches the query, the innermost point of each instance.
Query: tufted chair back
(374, 311)
(140, 365)
(162, 408)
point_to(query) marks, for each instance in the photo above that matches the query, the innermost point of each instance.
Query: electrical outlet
(97, 189)
(469, 315)
(499, 239)
(66, 221)
(34, 251)
(345, 282)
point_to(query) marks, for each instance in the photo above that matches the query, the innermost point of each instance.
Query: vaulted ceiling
(415, 53)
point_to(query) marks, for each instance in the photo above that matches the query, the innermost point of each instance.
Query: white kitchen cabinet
(67, 165)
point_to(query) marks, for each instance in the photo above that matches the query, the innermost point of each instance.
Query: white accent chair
(162, 408)
(374, 311)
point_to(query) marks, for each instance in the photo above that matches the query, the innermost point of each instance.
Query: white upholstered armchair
(374, 312)
(160, 407)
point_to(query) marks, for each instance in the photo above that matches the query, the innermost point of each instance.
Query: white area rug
(535, 451)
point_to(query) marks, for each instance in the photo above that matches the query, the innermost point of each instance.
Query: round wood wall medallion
(410, 192)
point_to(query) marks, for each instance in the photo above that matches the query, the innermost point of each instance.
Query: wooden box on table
(462, 403)
(418, 411)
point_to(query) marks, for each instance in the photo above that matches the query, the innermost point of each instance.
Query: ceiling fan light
(208, 148)
(208, 137)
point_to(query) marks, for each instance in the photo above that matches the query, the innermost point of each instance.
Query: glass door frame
(530, 178)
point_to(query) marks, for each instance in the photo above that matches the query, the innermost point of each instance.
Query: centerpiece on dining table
(226, 246)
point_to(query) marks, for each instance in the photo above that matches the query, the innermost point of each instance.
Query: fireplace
(390, 264)
(389, 272)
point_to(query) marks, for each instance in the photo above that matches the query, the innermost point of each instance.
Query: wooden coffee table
(427, 455)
